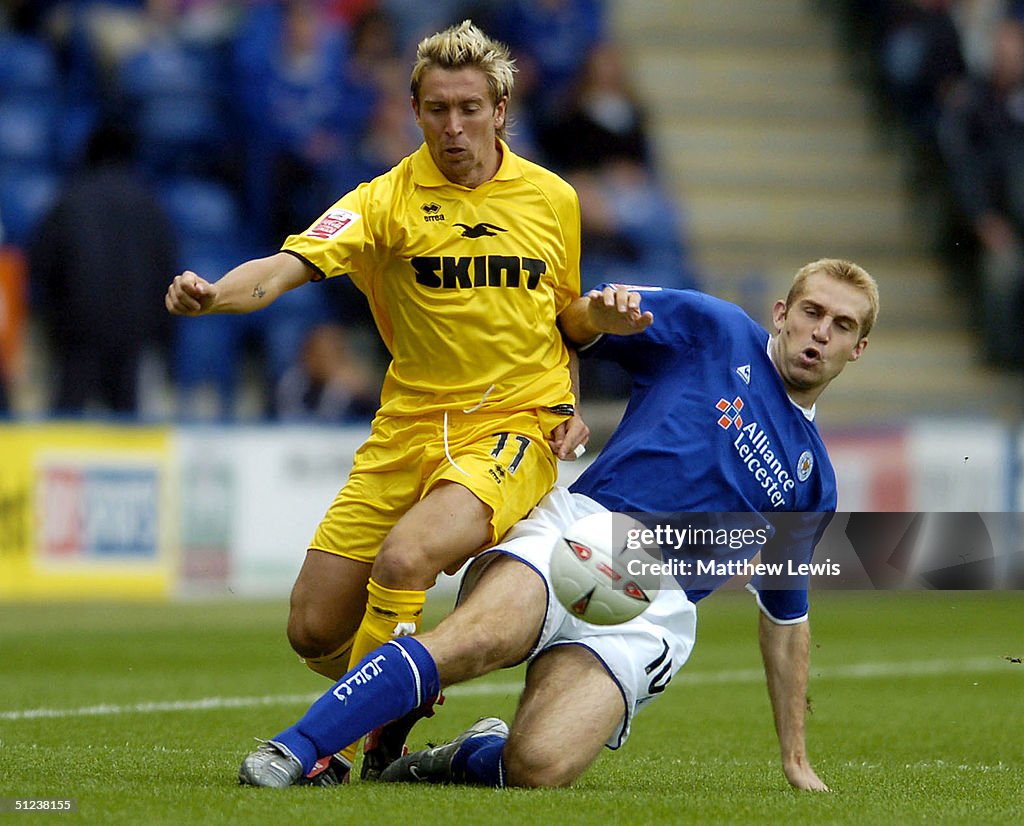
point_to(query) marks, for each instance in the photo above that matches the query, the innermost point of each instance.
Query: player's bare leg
(569, 709)
(495, 626)
(443, 529)
(476, 639)
(439, 532)
(327, 605)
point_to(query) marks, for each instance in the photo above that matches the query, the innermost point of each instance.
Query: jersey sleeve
(567, 288)
(782, 596)
(342, 241)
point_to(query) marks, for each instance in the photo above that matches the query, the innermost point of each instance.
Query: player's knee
(311, 637)
(403, 566)
(528, 766)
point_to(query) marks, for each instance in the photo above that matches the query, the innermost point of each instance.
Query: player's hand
(617, 311)
(189, 295)
(569, 437)
(801, 776)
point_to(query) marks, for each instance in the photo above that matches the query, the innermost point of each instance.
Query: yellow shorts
(504, 459)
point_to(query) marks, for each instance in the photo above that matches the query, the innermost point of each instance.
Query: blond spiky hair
(466, 45)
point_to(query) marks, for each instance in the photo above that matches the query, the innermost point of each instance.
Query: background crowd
(948, 77)
(142, 137)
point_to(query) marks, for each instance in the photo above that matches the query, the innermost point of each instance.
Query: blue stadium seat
(204, 211)
(27, 131)
(167, 69)
(26, 195)
(175, 99)
(28, 68)
(78, 119)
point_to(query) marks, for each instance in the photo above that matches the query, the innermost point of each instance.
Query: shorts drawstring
(447, 452)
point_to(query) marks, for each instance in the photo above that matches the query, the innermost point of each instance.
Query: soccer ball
(590, 569)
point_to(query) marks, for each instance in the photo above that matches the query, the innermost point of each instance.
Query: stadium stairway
(774, 152)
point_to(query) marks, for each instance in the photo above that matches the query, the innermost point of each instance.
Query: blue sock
(388, 683)
(478, 761)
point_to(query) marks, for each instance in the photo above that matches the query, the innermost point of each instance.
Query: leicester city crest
(804, 466)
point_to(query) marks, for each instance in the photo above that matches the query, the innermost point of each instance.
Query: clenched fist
(189, 295)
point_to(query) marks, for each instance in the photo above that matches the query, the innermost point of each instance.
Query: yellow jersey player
(467, 254)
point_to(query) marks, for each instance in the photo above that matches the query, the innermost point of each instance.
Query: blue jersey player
(720, 420)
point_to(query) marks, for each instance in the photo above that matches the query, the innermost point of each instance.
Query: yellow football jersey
(464, 284)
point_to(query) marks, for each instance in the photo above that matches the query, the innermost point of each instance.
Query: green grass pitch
(917, 717)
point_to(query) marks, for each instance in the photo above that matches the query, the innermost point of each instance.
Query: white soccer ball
(591, 571)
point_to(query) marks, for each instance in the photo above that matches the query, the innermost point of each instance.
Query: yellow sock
(348, 754)
(389, 614)
(332, 665)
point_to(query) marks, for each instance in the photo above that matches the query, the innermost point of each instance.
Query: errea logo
(432, 212)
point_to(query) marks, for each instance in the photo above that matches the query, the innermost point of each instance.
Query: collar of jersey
(426, 173)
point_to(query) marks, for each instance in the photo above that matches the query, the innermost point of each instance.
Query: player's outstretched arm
(250, 286)
(785, 650)
(611, 310)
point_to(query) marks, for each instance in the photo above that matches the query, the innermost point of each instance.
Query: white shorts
(641, 655)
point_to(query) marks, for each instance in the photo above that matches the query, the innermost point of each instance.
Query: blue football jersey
(709, 428)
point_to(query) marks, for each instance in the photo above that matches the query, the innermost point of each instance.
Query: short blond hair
(840, 270)
(466, 45)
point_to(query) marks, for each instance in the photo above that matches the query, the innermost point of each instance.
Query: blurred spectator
(329, 384)
(982, 140)
(921, 61)
(414, 21)
(976, 21)
(13, 311)
(603, 120)
(291, 73)
(348, 12)
(633, 232)
(374, 47)
(374, 67)
(175, 99)
(26, 16)
(97, 266)
(390, 134)
(113, 29)
(550, 40)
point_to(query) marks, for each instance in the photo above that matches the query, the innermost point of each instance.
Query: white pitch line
(912, 668)
(217, 703)
(205, 704)
(908, 668)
